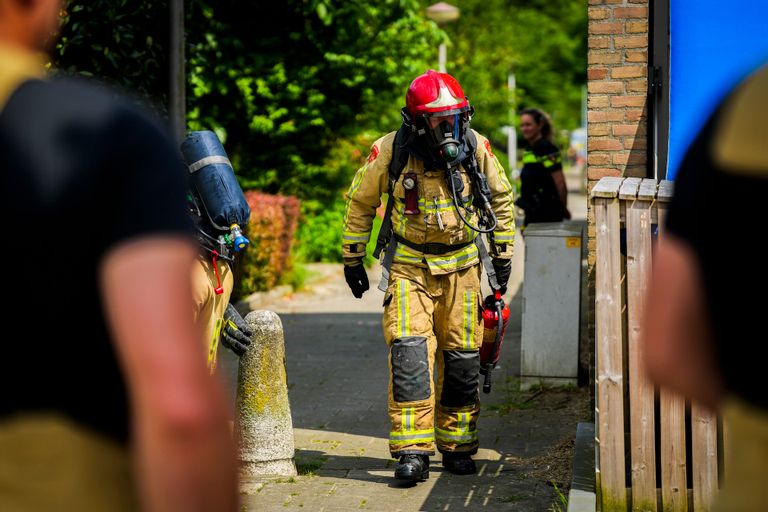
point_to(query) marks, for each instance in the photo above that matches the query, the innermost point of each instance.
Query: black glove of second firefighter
(503, 269)
(356, 278)
(235, 334)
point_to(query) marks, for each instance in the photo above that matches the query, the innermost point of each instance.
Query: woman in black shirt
(543, 192)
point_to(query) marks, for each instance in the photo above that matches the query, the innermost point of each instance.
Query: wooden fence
(653, 453)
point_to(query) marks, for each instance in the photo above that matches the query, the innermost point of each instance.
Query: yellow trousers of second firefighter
(746, 458)
(430, 319)
(209, 306)
(48, 462)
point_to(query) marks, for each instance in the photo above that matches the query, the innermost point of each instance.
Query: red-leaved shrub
(271, 229)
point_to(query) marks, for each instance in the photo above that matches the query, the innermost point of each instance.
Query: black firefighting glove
(235, 335)
(503, 268)
(356, 278)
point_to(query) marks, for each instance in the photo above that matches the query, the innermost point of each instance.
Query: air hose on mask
(450, 150)
(480, 192)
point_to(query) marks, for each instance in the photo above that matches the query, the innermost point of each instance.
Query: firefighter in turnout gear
(442, 180)
(218, 208)
(212, 285)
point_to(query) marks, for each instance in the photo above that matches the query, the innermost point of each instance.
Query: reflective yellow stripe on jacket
(504, 237)
(438, 263)
(350, 237)
(437, 221)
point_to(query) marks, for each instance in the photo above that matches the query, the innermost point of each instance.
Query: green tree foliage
(124, 43)
(298, 89)
(284, 82)
(544, 42)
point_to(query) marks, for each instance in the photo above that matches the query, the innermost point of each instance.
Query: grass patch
(514, 498)
(310, 467)
(561, 505)
(513, 400)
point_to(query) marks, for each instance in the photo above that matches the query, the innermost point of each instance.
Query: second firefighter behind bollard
(264, 425)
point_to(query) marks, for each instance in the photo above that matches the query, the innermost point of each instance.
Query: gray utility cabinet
(551, 304)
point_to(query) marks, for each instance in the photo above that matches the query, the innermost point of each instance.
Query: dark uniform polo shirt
(81, 172)
(720, 209)
(538, 193)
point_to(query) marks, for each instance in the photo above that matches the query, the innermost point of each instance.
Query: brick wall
(616, 107)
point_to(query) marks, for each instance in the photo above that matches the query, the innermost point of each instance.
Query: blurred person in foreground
(100, 351)
(543, 191)
(704, 316)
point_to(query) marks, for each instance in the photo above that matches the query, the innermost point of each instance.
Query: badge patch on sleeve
(488, 147)
(374, 154)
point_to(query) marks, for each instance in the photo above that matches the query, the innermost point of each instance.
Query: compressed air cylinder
(215, 181)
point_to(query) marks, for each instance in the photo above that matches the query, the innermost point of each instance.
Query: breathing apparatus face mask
(444, 134)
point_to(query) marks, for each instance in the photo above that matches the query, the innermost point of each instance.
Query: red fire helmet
(435, 92)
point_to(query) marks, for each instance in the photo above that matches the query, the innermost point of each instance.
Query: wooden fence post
(674, 487)
(608, 346)
(704, 458)
(639, 195)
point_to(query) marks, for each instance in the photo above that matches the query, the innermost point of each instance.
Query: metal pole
(443, 53)
(512, 132)
(177, 81)
(442, 13)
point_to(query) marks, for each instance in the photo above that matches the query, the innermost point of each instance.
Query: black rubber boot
(412, 467)
(459, 463)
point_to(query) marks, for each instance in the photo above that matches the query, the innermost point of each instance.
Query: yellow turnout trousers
(48, 462)
(427, 319)
(209, 307)
(746, 458)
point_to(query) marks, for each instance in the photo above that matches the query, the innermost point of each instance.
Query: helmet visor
(443, 133)
(442, 128)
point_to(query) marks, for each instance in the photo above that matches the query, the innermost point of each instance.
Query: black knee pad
(410, 369)
(461, 375)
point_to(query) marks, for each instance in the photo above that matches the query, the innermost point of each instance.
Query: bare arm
(182, 446)
(677, 335)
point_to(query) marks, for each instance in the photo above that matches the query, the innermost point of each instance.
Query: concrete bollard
(264, 426)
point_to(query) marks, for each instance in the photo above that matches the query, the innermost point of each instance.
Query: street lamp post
(442, 13)
(511, 133)
(177, 105)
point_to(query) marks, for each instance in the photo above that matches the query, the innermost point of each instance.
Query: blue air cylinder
(213, 178)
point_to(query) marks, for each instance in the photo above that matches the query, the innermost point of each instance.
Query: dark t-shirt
(721, 215)
(539, 197)
(82, 171)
